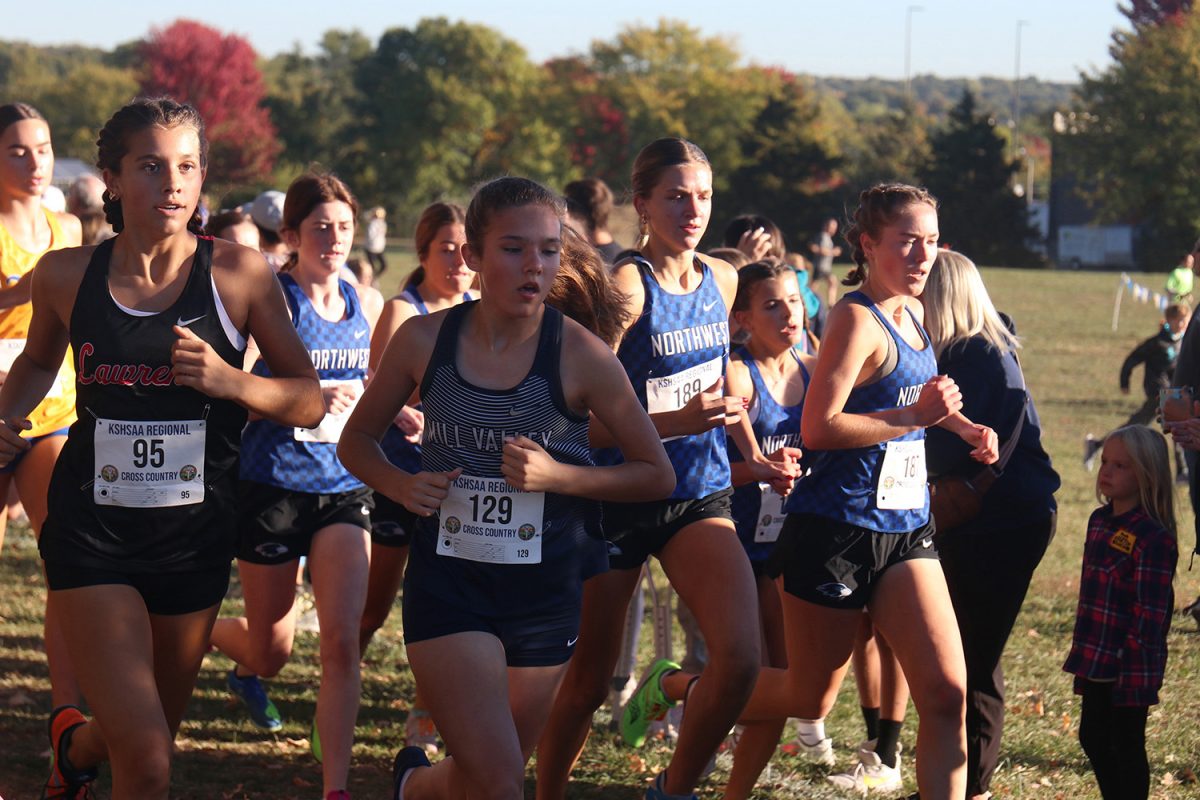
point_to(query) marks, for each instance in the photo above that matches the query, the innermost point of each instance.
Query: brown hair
(11, 113)
(878, 207)
(503, 193)
(748, 222)
(306, 193)
(656, 158)
(585, 291)
(432, 220)
(736, 258)
(113, 143)
(751, 275)
(590, 199)
(226, 219)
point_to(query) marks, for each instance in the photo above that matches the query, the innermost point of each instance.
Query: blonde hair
(957, 306)
(1152, 469)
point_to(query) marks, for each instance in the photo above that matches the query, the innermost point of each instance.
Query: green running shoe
(647, 704)
(314, 741)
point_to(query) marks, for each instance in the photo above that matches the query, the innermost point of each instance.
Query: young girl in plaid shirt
(1119, 650)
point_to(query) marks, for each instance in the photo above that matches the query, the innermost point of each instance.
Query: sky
(847, 38)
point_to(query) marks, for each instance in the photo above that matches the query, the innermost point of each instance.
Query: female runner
(674, 353)
(858, 532)
(296, 499)
(27, 230)
(774, 375)
(492, 593)
(140, 532)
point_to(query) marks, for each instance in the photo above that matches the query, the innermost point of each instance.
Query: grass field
(1071, 358)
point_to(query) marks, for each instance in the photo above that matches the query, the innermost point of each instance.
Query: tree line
(427, 111)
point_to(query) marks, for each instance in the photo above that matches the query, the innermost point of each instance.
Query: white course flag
(1140, 293)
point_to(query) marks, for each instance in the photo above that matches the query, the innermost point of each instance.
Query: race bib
(770, 515)
(330, 429)
(485, 519)
(149, 463)
(902, 479)
(672, 392)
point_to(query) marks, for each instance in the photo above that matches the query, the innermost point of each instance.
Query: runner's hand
(338, 398)
(985, 442)
(12, 444)
(424, 492)
(711, 408)
(940, 397)
(198, 366)
(755, 243)
(411, 423)
(527, 466)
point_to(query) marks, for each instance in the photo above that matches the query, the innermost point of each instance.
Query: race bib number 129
(486, 519)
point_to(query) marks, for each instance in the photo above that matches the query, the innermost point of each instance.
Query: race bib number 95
(149, 463)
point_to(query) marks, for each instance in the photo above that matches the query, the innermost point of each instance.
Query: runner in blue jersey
(506, 491)
(674, 353)
(295, 497)
(858, 531)
(441, 280)
(774, 375)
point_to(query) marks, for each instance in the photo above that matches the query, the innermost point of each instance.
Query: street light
(908, 49)
(1021, 23)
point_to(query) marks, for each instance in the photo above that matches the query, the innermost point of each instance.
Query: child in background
(1158, 354)
(1181, 279)
(1119, 650)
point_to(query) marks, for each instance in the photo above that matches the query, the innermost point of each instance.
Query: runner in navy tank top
(140, 533)
(440, 281)
(491, 600)
(831, 563)
(774, 375)
(295, 497)
(674, 353)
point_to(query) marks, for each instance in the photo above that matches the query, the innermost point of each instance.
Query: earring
(644, 223)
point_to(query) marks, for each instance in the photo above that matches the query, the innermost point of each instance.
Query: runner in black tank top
(492, 615)
(138, 556)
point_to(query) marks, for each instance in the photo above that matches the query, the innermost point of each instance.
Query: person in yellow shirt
(27, 230)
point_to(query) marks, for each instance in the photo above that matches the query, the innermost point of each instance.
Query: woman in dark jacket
(989, 560)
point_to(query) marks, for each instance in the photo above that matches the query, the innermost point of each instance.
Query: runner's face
(160, 179)
(679, 206)
(519, 258)
(1117, 480)
(901, 258)
(26, 158)
(775, 317)
(445, 270)
(324, 238)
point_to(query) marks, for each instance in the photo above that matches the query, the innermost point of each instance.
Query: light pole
(1021, 23)
(908, 49)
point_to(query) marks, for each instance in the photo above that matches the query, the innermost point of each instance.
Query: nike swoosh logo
(709, 306)
(183, 323)
(359, 334)
(572, 642)
(927, 543)
(513, 411)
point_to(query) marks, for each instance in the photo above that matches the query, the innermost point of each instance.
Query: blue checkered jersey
(281, 455)
(842, 484)
(677, 348)
(466, 427)
(401, 452)
(775, 426)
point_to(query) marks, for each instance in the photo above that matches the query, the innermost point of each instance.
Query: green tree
(444, 105)
(972, 179)
(1135, 137)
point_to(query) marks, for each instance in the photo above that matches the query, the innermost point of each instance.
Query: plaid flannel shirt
(1125, 604)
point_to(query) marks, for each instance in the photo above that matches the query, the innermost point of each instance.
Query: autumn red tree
(218, 74)
(1155, 12)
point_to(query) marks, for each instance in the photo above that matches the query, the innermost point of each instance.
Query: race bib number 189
(902, 478)
(149, 463)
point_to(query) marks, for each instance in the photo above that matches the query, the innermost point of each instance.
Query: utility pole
(1016, 133)
(908, 50)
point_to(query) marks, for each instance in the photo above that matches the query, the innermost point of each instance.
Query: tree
(1135, 137)
(1143, 13)
(218, 74)
(446, 104)
(968, 173)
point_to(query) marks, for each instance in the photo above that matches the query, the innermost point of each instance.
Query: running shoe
(869, 775)
(419, 731)
(250, 692)
(408, 758)
(647, 704)
(655, 791)
(819, 753)
(1091, 448)
(314, 741)
(64, 782)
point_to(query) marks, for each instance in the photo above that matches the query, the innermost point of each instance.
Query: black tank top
(147, 479)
